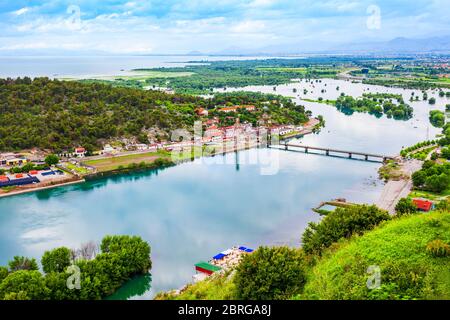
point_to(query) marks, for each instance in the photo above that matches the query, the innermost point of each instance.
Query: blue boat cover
(219, 256)
(249, 250)
(242, 248)
(49, 173)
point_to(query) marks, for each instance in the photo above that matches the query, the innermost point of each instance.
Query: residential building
(79, 152)
(423, 204)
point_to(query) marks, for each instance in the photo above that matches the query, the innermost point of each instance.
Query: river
(192, 211)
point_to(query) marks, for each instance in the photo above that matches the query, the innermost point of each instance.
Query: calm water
(93, 66)
(191, 212)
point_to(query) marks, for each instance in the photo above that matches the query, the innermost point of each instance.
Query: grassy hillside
(398, 247)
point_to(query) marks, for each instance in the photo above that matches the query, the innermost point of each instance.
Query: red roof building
(423, 204)
(201, 111)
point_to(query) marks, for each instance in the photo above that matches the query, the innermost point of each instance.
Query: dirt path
(393, 191)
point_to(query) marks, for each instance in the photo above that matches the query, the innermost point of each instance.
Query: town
(30, 170)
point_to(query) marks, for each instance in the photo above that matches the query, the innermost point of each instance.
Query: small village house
(423, 204)
(79, 152)
(201, 112)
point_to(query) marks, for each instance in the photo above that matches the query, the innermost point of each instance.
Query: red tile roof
(423, 205)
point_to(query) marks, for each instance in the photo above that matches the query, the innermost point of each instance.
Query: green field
(113, 163)
(136, 75)
(77, 169)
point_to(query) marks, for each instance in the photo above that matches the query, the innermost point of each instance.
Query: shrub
(341, 223)
(24, 284)
(122, 258)
(56, 260)
(270, 273)
(22, 263)
(405, 206)
(438, 248)
(51, 159)
(3, 273)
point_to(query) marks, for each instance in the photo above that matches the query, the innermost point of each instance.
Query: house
(210, 122)
(236, 108)
(423, 204)
(249, 108)
(141, 147)
(228, 109)
(15, 161)
(201, 112)
(79, 152)
(107, 149)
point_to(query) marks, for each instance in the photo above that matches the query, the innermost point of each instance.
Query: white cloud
(21, 11)
(261, 3)
(249, 26)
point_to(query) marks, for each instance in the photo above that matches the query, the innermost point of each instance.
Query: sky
(211, 26)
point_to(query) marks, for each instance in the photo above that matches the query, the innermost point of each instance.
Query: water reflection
(133, 288)
(194, 210)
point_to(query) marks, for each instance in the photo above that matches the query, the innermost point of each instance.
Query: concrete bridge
(348, 154)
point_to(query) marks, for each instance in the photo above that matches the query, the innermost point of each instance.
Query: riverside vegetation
(411, 251)
(101, 274)
(61, 115)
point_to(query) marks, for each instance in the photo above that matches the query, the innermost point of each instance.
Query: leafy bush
(437, 118)
(341, 223)
(438, 248)
(405, 206)
(270, 273)
(56, 260)
(3, 273)
(432, 177)
(398, 248)
(122, 258)
(22, 263)
(25, 284)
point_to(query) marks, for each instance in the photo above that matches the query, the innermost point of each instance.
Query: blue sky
(178, 26)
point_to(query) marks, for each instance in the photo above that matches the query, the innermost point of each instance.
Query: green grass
(216, 287)
(113, 163)
(329, 102)
(429, 195)
(138, 75)
(8, 189)
(281, 69)
(80, 170)
(398, 247)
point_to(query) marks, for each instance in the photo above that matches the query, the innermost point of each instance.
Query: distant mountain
(400, 45)
(52, 52)
(397, 45)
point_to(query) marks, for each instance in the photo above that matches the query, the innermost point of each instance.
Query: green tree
(24, 284)
(51, 159)
(405, 206)
(270, 273)
(418, 178)
(437, 118)
(437, 183)
(22, 263)
(56, 260)
(341, 223)
(3, 273)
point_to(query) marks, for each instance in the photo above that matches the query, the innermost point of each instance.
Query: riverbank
(394, 190)
(16, 192)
